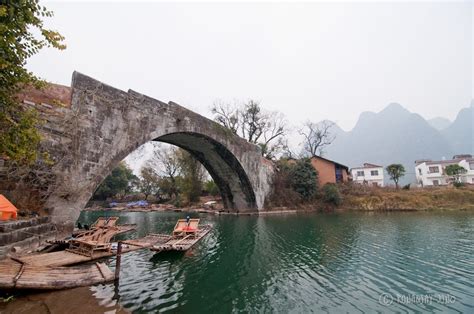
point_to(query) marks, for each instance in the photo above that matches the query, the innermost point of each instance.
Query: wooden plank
(8, 270)
(106, 273)
(63, 277)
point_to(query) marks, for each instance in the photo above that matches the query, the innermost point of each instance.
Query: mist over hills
(396, 135)
(439, 123)
(461, 132)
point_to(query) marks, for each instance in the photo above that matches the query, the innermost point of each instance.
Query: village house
(429, 173)
(329, 171)
(368, 174)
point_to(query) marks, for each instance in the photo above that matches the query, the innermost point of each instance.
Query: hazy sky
(310, 61)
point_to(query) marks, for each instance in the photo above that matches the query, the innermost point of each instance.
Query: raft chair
(182, 228)
(178, 228)
(105, 222)
(100, 222)
(111, 222)
(98, 241)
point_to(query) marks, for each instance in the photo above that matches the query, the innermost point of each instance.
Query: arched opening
(222, 166)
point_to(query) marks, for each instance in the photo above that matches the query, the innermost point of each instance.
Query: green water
(349, 262)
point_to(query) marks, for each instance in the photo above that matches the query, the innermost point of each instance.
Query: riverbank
(365, 198)
(206, 204)
(353, 198)
(389, 199)
(72, 301)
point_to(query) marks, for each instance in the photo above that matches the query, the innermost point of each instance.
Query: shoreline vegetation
(352, 198)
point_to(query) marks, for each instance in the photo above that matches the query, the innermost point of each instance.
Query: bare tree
(253, 122)
(149, 181)
(250, 121)
(226, 114)
(273, 139)
(287, 151)
(316, 137)
(166, 162)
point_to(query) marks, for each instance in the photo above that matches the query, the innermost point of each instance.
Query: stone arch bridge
(95, 126)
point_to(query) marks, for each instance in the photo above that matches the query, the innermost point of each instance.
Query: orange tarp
(7, 210)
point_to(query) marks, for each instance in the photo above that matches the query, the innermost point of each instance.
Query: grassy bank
(442, 198)
(365, 198)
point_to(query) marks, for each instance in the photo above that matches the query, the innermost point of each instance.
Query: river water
(338, 262)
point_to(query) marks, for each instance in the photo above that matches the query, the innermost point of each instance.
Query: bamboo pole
(118, 261)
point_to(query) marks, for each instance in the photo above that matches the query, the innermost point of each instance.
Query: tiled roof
(332, 161)
(368, 165)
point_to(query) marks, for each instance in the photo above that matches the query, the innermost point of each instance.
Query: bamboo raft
(47, 271)
(15, 275)
(182, 243)
(64, 258)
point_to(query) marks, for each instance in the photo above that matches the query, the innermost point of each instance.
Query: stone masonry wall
(102, 125)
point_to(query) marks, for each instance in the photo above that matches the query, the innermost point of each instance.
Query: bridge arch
(224, 168)
(104, 125)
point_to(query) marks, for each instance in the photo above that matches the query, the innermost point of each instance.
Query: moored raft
(15, 275)
(66, 257)
(182, 241)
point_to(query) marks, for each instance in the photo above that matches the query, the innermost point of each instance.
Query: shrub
(458, 184)
(331, 194)
(304, 178)
(406, 187)
(282, 193)
(455, 172)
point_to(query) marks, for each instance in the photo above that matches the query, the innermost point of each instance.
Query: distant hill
(439, 123)
(395, 135)
(460, 134)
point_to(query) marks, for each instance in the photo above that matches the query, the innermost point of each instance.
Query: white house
(430, 172)
(369, 174)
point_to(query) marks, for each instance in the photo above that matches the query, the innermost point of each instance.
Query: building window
(434, 170)
(374, 173)
(339, 175)
(471, 165)
(360, 173)
(435, 182)
(419, 171)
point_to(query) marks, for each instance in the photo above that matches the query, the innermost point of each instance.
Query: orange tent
(7, 210)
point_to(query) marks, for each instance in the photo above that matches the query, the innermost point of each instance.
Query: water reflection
(296, 263)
